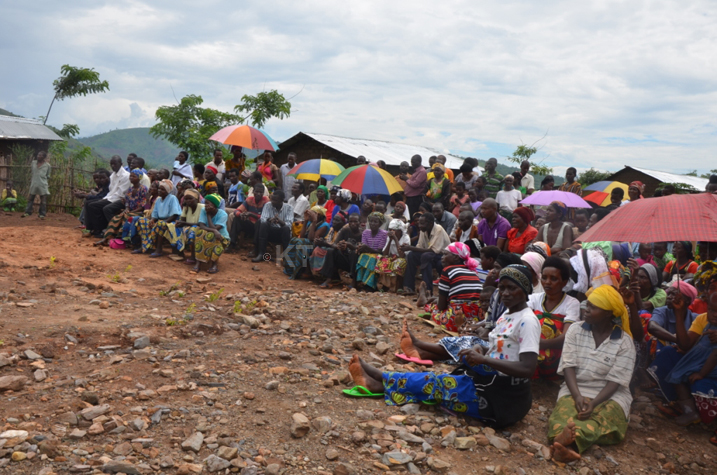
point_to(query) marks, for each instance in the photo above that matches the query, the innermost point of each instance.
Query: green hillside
(4, 112)
(158, 153)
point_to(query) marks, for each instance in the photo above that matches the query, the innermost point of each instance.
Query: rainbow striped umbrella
(245, 136)
(367, 180)
(599, 192)
(316, 168)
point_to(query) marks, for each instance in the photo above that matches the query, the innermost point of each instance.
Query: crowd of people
(521, 296)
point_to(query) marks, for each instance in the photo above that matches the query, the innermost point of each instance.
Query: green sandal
(360, 391)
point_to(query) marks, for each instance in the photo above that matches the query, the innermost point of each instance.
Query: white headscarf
(345, 194)
(397, 224)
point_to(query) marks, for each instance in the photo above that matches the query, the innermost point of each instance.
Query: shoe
(41, 217)
(258, 259)
(25, 215)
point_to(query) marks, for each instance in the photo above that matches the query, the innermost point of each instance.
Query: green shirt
(40, 175)
(493, 184)
(662, 262)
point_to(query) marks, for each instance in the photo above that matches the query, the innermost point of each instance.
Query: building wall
(628, 175)
(36, 145)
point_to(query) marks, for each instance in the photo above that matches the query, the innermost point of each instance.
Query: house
(29, 132)
(345, 150)
(652, 179)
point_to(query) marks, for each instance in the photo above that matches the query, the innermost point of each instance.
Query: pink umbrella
(544, 198)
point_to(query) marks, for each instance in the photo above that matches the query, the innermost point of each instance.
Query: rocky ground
(113, 363)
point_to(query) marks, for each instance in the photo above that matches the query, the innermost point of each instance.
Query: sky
(603, 83)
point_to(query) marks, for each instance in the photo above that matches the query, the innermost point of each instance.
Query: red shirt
(516, 243)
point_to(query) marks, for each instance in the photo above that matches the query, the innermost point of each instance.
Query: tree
(76, 82)
(680, 188)
(708, 175)
(67, 130)
(588, 177)
(524, 152)
(189, 126)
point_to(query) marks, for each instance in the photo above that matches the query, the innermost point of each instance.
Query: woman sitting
(534, 261)
(129, 228)
(491, 384)
(556, 233)
(321, 245)
(683, 264)
(166, 208)
(597, 362)
(556, 311)
(247, 215)
(392, 264)
(651, 294)
(322, 199)
(343, 204)
(300, 248)
(134, 201)
(458, 289)
(341, 254)
(522, 233)
(211, 236)
(177, 233)
(373, 240)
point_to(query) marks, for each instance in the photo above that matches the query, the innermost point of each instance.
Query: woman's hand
(627, 295)
(694, 377)
(311, 215)
(633, 265)
(471, 357)
(587, 410)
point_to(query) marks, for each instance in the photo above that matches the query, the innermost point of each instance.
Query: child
(459, 197)
(582, 217)
(645, 251)
(38, 185)
(8, 200)
(660, 254)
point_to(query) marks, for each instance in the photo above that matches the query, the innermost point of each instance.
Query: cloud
(612, 83)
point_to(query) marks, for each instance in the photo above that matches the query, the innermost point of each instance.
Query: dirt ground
(242, 362)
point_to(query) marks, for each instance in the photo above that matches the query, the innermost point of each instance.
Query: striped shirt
(612, 361)
(460, 283)
(286, 213)
(377, 242)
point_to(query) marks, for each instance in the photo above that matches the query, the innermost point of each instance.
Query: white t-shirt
(568, 308)
(508, 200)
(514, 333)
(300, 205)
(392, 250)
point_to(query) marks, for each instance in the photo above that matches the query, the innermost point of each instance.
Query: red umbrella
(667, 218)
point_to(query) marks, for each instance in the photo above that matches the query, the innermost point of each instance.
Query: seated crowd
(521, 296)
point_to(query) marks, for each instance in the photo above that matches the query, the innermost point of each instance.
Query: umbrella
(367, 180)
(245, 136)
(316, 168)
(544, 198)
(668, 218)
(599, 192)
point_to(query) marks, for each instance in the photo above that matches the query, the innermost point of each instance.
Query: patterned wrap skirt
(607, 424)
(366, 269)
(208, 245)
(471, 310)
(551, 326)
(147, 232)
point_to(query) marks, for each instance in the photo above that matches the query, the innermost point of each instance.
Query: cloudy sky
(610, 82)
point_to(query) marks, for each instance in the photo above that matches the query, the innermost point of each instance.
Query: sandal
(213, 270)
(713, 439)
(410, 359)
(155, 255)
(137, 251)
(190, 262)
(360, 391)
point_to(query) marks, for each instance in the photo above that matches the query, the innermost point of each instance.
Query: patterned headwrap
(344, 194)
(397, 224)
(520, 275)
(214, 199)
(378, 215)
(167, 185)
(540, 247)
(560, 208)
(192, 192)
(320, 210)
(639, 185)
(685, 289)
(187, 182)
(210, 184)
(326, 190)
(525, 213)
(137, 172)
(535, 261)
(464, 252)
(607, 298)
(705, 275)
(439, 165)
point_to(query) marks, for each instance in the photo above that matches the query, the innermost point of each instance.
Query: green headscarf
(214, 199)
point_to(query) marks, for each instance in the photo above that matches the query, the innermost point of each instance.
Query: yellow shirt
(699, 324)
(13, 194)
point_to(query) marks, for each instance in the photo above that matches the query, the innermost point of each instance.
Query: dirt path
(239, 358)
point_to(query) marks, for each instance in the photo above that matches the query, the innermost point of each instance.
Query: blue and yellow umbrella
(316, 168)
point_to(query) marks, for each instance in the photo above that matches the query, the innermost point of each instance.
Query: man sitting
(467, 232)
(275, 225)
(493, 228)
(427, 253)
(444, 218)
(100, 212)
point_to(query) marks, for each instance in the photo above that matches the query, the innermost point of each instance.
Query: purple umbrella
(544, 198)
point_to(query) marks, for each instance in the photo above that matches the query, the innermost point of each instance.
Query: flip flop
(410, 359)
(360, 391)
(190, 262)
(154, 255)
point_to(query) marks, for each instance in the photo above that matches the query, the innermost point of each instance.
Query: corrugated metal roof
(390, 152)
(19, 128)
(699, 183)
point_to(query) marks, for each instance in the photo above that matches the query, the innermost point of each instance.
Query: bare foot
(422, 296)
(567, 436)
(407, 343)
(361, 378)
(564, 454)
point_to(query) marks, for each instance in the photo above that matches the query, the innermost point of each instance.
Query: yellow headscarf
(607, 298)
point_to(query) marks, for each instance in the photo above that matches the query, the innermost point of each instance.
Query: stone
(95, 411)
(31, 355)
(12, 383)
(114, 466)
(321, 424)
(410, 408)
(408, 437)
(499, 443)
(194, 442)
(382, 347)
(412, 469)
(482, 440)
(141, 342)
(653, 444)
(358, 436)
(438, 465)
(95, 429)
(299, 426)
(396, 458)
(227, 453)
(90, 397)
(359, 344)
(465, 443)
(271, 469)
(332, 454)
(12, 434)
(77, 434)
(215, 464)
(40, 375)
(18, 456)
(345, 469)
(189, 468)
(272, 385)
(4, 361)
(250, 321)
(124, 449)
(449, 439)
(104, 305)
(137, 424)
(49, 448)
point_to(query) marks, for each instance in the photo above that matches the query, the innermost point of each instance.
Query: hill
(157, 153)
(508, 169)
(4, 112)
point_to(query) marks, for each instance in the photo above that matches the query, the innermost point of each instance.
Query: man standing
(508, 197)
(403, 170)
(415, 185)
(100, 212)
(493, 228)
(442, 217)
(288, 181)
(274, 225)
(219, 164)
(524, 179)
(571, 186)
(493, 180)
(426, 254)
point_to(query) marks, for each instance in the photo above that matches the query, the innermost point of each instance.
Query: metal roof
(699, 183)
(390, 152)
(19, 128)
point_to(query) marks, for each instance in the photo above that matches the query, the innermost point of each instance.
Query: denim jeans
(43, 205)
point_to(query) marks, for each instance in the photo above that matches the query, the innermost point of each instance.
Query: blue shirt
(666, 318)
(219, 221)
(352, 209)
(167, 207)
